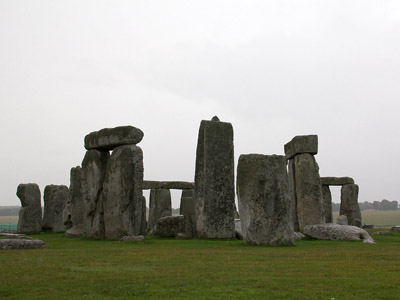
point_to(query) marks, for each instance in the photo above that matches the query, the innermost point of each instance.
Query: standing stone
(292, 192)
(188, 211)
(144, 221)
(185, 193)
(214, 180)
(30, 214)
(122, 193)
(55, 198)
(327, 204)
(94, 169)
(308, 190)
(349, 204)
(75, 206)
(160, 206)
(264, 201)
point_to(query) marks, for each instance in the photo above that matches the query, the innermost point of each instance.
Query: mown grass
(377, 217)
(73, 268)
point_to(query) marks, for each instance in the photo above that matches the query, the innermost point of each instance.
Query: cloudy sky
(274, 69)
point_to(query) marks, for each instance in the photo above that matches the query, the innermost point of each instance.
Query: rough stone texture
(15, 236)
(327, 204)
(144, 221)
(238, 229)
(301, 144)
(94, 169)
(160, 206)
(185, 193)
(292, 193)
(308, 190)
(395, 228)
(298, 236)
(133, 238)
(214, 181)
(349, 204)
(122, 193)
(55, 197)
(336, 180)
(76, 231)
(337, 232)
(188, 211)
(264, 201)
(342, 220)
(7, 244)
(110, 138)
(170, 226)
(75, 207)
(30, 214)
(171, 185)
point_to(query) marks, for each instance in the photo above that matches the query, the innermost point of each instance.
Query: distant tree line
(378, 205)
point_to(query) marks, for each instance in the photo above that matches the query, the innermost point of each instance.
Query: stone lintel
(337, 180)
(171, 185)
(301, 144)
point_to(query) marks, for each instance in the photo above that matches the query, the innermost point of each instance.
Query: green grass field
(74, 268)
(378, 217)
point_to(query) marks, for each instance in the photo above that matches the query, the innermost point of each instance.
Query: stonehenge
(214, 194)
(264, 201)
(348, 200)
(55, 198)
(305, 183)
(30, 214)
(278, 195)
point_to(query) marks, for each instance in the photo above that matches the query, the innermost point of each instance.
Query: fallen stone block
(76, 231)
(337, 232)
(8, 244)
(170, 226)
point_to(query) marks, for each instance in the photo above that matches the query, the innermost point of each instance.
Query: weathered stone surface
(133, 238)
(308, 190)
(297, 236)
(264, 201)
(292, 193)
(122, 193)
(7, 244)
(395, 228)
(185, 193)
(301, 144)
(144, 221)
(110, 138)
(94, 169)
(337, 232)
(171, 185)
(238, 229)
(55, 197)
(170, 226)
(327, 204)
(214, 181)
(30, 214)
(75, 207)
(349, 204)
(342, 220)
(15, 236)
(76, 231)
(160, 206)
(188, 211)
(336, 180)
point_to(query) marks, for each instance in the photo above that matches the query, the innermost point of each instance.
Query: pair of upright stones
(110, 185)
(30, 215)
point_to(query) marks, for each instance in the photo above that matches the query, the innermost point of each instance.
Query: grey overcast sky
(274, 69)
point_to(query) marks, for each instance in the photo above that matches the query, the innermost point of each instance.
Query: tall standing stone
(122, 193)
(185, 193)
(327, 204)
(94, 168)
(349, 204)
(30, 214)
(214, 180)
(308, 190)
(55, 197)
(292, 192)
(188, 211)
(160, 206)
(264, 201)
(75, 206)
